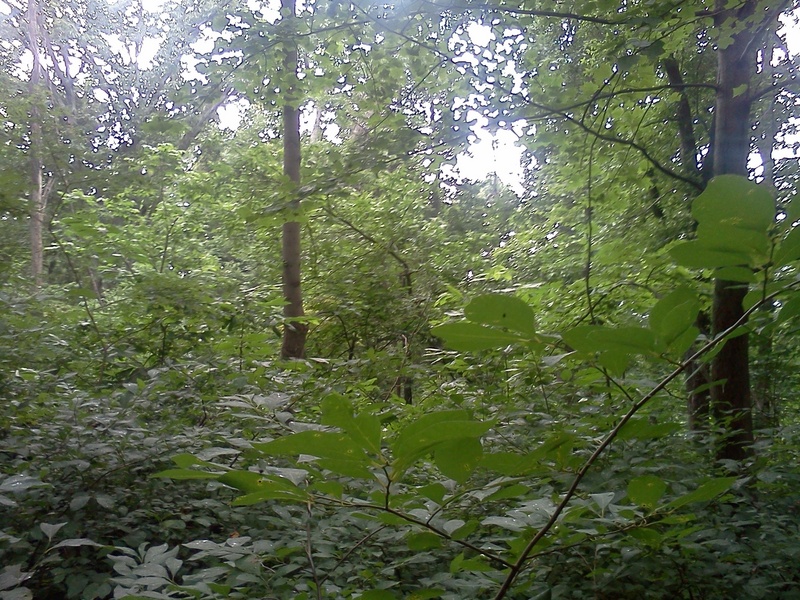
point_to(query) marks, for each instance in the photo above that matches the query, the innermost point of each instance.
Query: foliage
(492, 405)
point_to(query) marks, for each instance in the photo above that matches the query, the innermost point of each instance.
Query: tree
(295, 330)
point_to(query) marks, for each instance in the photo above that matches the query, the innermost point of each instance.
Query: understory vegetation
(580, 382)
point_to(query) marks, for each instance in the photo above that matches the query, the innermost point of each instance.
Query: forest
(282, 318)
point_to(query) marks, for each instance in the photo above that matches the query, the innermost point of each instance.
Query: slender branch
(641, 149)
(370, 239)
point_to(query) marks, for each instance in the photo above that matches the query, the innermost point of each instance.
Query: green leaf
(422, 541)
(646, 491)
(641, 428)
(624, 340)
(466, 530)
(458, 459)
(459, 563)
(696, 255)
(708, 491)
(726, 238)
(259, 488)
(420, 437)
(364, 430)
(501, 310)
(181, 474)
(510, 491)
(471, 337)
(789, 249)
(330, 488)
(378, 595)
(647, 536)
(188, 460)
(433, 491)
(738, 274)
(323, 444)
(245, 481)
(336, 409)
(426, 594)
(673, 315)
(735, 201)
(512, 464)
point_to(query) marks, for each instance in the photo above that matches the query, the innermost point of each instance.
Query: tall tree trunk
(38, 197)
(730, 369)
(294, 331)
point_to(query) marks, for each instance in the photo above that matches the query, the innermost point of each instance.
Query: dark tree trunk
(294, 331)
(730, 368)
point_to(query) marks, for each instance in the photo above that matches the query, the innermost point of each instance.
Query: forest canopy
(278, 319)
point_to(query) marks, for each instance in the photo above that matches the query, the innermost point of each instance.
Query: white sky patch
(491, 154)
(5, 9)
(790, 31)
(480, 34)
(231, 113)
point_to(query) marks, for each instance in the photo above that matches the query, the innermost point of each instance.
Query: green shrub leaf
(646, 491)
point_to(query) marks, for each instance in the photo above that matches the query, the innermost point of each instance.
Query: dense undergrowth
(84, 517)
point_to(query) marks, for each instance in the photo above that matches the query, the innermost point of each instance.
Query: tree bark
(730, 368)
(37, 189)
(295, 330)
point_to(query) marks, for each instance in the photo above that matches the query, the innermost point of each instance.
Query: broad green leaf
(504, 311)
(180, 474)
(330, 488)
(615, 361)
(50, 530)
(737, 274)
(646, 491)
(378, 595)
(426, 594)
(189, 460)
(641, 428)
(789, 249)
(708, 491)
(726, 238)
(422, 541)
(433, 491)
(673, 315)
(336, 409)
(365, 430)
(648, 536)
(267, 495)
(696, 255)
(735, 201)
(597, 338)
(512, 464)
(472, 337)
(419, 438)
(76, 542)
(466, 530)
(323, 444)
(510, 491)
(259, 488)
(460, 563)
(248, 481)
(458, 459)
